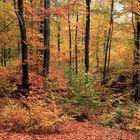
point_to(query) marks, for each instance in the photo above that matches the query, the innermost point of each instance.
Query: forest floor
(72, 129)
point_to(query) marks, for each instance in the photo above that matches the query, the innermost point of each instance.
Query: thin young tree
(58, 35)
(107, 46)
(87, 37)
(70, 40)
(70, 45)
(136, 27)
(4, 43)
(97, 52)
(46, 63)
(76, 43)
(58, 4)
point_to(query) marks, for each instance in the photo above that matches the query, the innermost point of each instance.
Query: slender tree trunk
(70, 41)
(70, 47)
(2, 57)
(136, 57)
(76, 43)
(9, 54)
(105, 37)
(25, 76)
(87, 37)
(58, 36)
(83, 32)
(73, 59)
(5, 55)
(46, 40)
(109, 51)
(4, 44)
(58, 3)
(97, 52)
(109, 37)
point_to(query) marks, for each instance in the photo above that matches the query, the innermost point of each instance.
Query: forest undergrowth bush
(83, 99)
(33, 116)
(119, 110)
(124, 117)
(114, 105)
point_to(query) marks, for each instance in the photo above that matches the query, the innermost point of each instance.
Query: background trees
(86, 26)
(81, 56)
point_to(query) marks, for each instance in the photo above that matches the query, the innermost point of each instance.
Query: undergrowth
(34, 116)
(125, 117)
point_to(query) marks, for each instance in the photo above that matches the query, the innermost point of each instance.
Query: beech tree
(70, 40)
(25, 72)
(46, 39)
(58, 28)
(76, 43)
(107, 46)
(4, 50)
(87, 37)
(136, 27)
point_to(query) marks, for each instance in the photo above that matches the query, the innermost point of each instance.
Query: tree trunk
(58, 3)
(58, 36)
(107, 48)
(136, 57)
(25, 76)
(5, 55)
(109, 51)
(9, 55)
(4, 44)
(97, 52)
(87, 37)
(76, 37)
(2, 57)
(70, 41)
(46, 40)
(70, 47)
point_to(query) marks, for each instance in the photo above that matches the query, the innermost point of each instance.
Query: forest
(70, 70)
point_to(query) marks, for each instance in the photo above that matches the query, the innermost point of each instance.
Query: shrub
(39, 117)
(127, 117)
(14, 116)
(109, 123)
(118, 115)
(83, 98)
(46, 117)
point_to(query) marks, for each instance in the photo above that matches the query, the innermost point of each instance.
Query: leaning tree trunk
(46, 40)
(25, 77)
(87, 37)
(109, 51)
